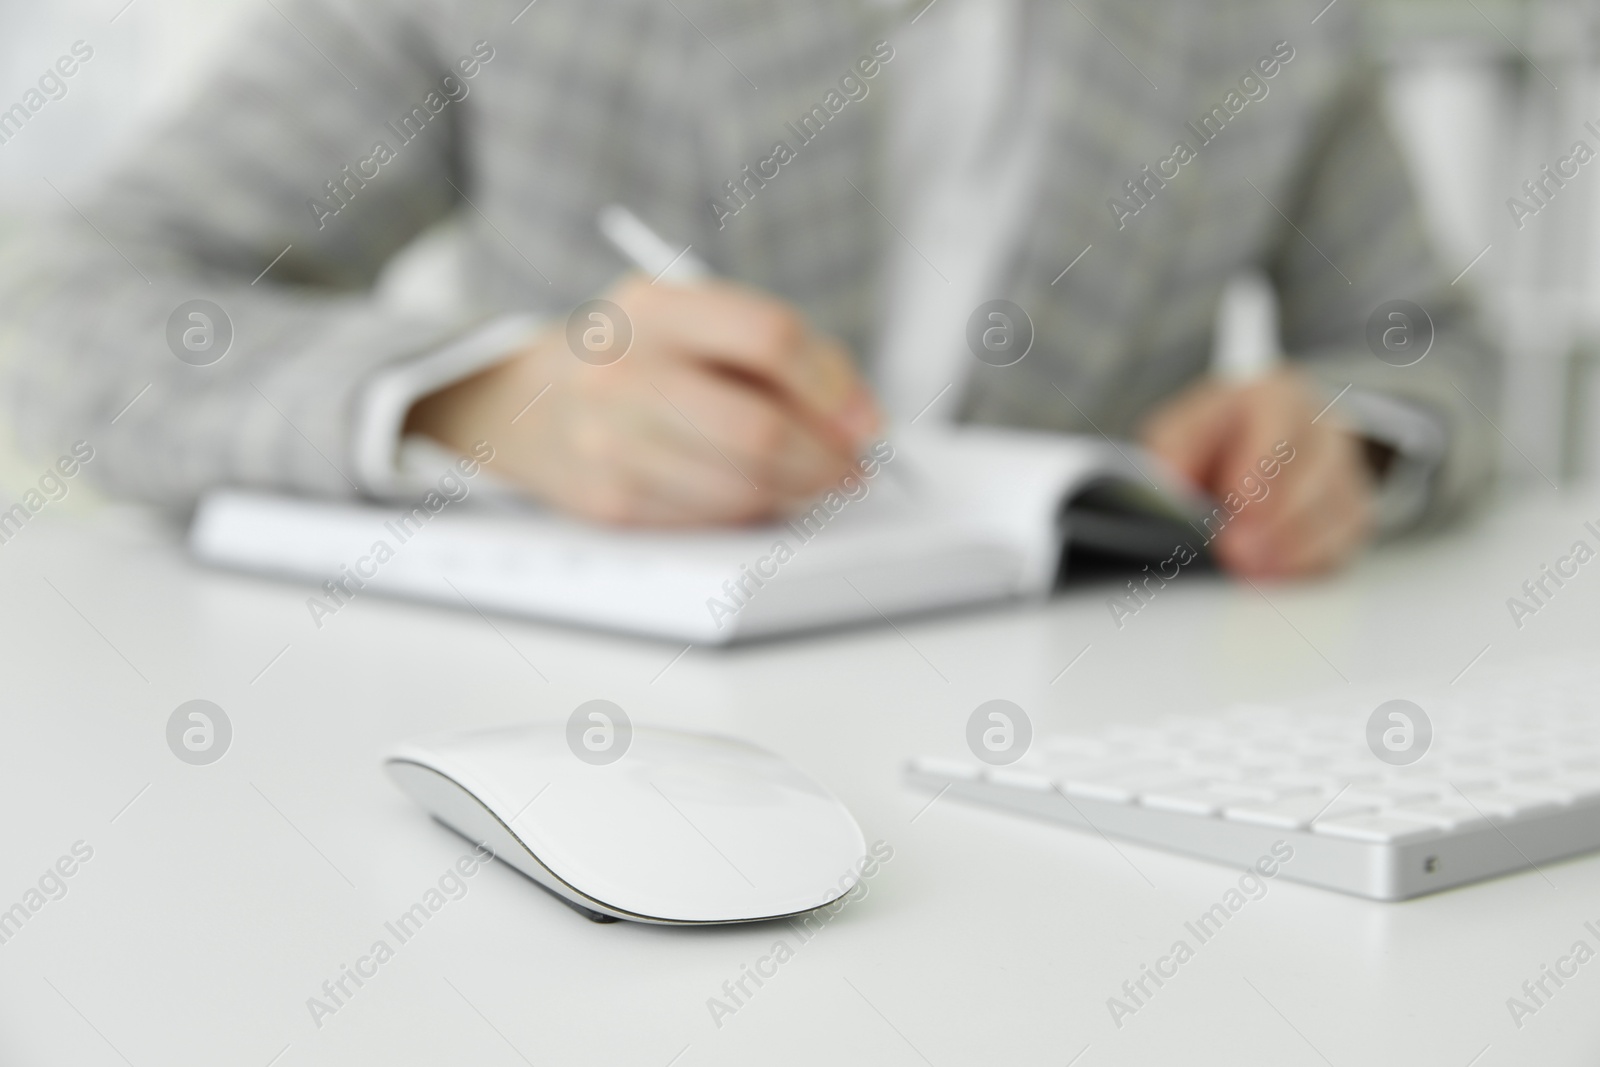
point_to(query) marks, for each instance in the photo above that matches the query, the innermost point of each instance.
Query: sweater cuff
(386, 399)
(1419, 442)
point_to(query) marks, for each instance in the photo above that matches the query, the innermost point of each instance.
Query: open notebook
(948, 517)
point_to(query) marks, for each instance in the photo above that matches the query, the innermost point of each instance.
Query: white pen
(644, 248)
(641, 245)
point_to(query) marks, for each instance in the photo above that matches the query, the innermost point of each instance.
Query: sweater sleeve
(1353, 253)
(205, 314)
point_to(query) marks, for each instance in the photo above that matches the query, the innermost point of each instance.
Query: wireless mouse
(681, 829)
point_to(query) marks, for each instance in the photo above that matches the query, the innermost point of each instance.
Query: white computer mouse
(681, 829)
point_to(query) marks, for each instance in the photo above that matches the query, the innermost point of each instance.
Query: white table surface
(219, 898)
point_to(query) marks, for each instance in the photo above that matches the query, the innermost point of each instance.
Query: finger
(751, 432)
(849, 428)
(687, 489)
(1311, 550)
(1325, 472)
(862, 419)
(1329, 546)
(762, 337)
(1307, 524)
(1189, 433)
(1333, 518)
(688, 484)
(687, 447)
(782, 453)
(660, 480)
(1272, 530)
(1265, 426)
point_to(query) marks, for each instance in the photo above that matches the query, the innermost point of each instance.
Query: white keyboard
(1509, 781)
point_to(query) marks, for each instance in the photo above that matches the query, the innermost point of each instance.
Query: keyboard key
(1381, 795)
(1058, 766)
(1356, 771)
(1205, 772)
(1476, 760)
(1020, 778)
(1376, 829)
(1295, 813)
(1581, 787)
(1126, 784)
(1306, 780)
(1547, 789)
(1134, 735)
(1245, 790)
(1505, 804)
(1445, 784)
(1444, 814)
(940, 767)
(1236, 772)
(1196, 801)
(1115, 794)
(1074, 745)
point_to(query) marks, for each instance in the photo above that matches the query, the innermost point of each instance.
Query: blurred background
(1483, 93)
